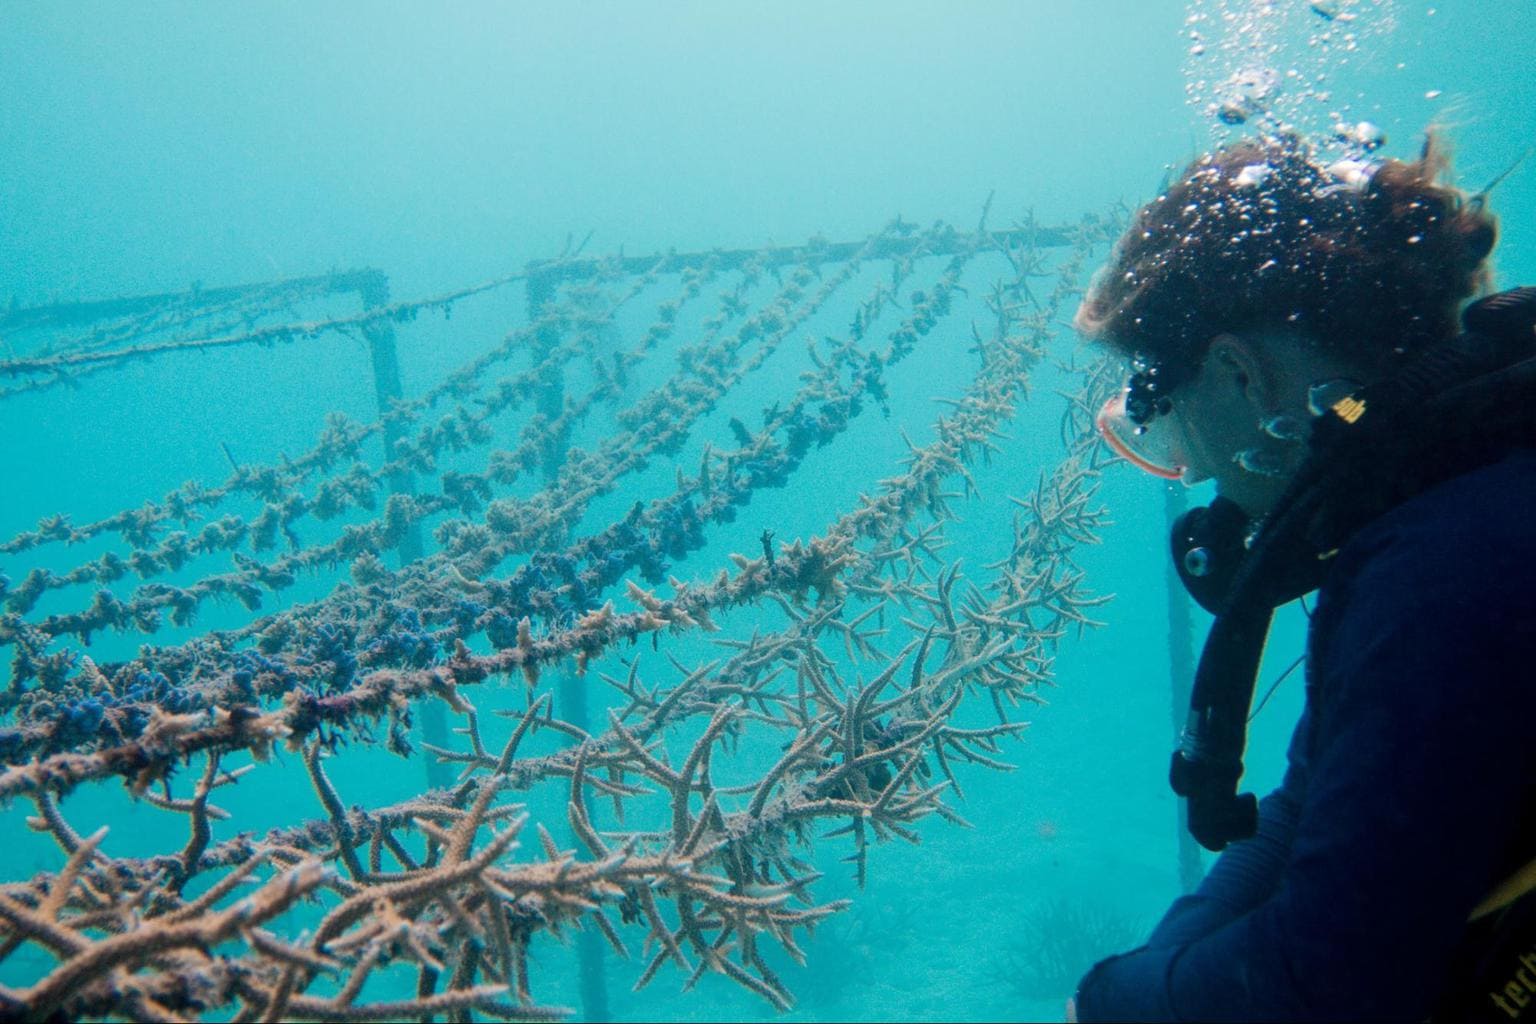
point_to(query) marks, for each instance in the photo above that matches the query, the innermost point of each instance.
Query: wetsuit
(1410, 791)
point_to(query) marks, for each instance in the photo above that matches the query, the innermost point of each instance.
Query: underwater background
(161, 148)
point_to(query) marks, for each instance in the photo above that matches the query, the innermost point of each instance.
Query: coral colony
(861, 650)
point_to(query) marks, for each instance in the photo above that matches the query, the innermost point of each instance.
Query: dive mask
(1136, 424)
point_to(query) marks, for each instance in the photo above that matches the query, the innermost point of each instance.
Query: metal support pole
(374, 291)
(1181, 671)
(571, 691)
(551, 396)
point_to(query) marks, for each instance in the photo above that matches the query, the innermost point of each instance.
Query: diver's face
(1217, 417)
(1233, 421)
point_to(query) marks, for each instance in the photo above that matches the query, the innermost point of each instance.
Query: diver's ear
(1240, 367)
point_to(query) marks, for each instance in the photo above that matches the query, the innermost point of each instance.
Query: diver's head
(1261, 276)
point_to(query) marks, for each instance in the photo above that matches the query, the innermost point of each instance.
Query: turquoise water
(152, 151)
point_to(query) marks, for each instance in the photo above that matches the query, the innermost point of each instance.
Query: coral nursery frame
(676, 817)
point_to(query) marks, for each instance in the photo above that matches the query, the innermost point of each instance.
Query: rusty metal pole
(374, 291)
(571, 692)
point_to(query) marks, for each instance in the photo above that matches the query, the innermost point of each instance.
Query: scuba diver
(1295, 332)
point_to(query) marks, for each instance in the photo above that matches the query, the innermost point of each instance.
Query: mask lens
(1152, 447)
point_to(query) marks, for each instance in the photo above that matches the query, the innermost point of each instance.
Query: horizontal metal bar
(817, 251)
(73, 313)
(551, 270)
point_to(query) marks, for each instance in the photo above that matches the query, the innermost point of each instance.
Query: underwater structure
(446, 582)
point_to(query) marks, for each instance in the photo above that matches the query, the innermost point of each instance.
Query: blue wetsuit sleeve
(1421, 768)
(1244, 876)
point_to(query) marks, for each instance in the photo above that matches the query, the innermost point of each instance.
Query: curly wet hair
(1373, 262)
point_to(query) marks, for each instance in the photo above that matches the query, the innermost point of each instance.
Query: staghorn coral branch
(51, 992)
(486, 998)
